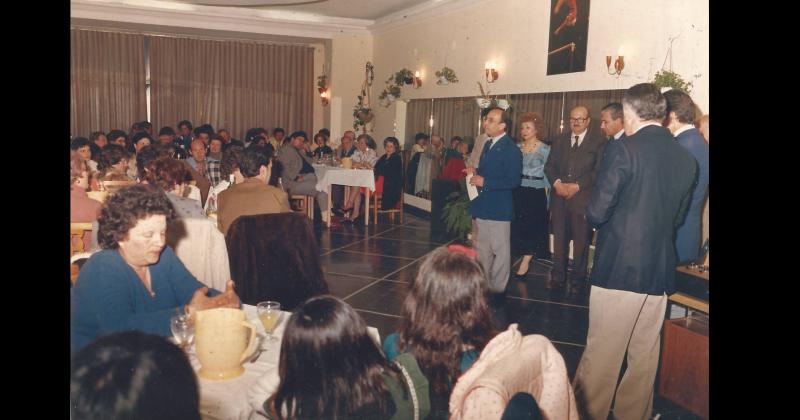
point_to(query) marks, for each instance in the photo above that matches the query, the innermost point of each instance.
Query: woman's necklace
(531, 147)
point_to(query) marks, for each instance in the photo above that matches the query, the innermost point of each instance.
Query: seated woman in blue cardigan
(446, 321)
(135, 282)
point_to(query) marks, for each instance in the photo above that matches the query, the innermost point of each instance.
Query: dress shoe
(337, 211)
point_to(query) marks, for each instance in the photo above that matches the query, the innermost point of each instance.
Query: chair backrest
(201, 248)
(512, 363)
(113, 186)
(275, 257)
(76, 232)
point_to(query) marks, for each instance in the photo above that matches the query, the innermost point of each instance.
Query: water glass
(182, 327)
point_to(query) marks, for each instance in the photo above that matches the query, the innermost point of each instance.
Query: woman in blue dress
(530, 198)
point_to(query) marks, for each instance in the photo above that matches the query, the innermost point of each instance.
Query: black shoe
(337, 211)
(521, 277)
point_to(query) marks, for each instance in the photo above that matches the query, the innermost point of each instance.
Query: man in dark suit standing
(611, 121)
(493, 209)
(572, 167)
(680, 121)
(643, 185)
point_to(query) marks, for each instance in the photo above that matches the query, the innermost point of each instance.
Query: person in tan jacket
(254, 195)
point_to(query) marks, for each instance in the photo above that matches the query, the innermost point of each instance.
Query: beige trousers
(620, 321)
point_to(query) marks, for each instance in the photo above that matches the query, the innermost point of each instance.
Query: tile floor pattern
(370, 267)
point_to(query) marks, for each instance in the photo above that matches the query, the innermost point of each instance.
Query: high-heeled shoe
(521, 277)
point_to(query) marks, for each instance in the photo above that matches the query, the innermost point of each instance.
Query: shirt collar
(619, 134)
(686, 127)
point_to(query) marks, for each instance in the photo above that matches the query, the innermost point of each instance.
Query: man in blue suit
(680, 121)
(611, 121)
(643, 186)
(498, 173)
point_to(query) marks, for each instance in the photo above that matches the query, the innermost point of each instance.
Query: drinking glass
(212, 207)
(269, 313)
(182, 327)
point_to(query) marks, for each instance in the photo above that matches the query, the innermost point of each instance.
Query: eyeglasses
(578, 120)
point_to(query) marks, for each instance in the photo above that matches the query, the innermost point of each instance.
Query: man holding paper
(498, 173)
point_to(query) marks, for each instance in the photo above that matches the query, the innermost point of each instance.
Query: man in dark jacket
(643, 187)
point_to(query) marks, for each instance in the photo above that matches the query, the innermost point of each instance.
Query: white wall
(350, 53)
(514, 34)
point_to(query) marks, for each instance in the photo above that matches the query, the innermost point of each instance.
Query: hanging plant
(362, 113)
(389, 95)
(322, 83)
(402, 77)
(446, 76)
(669, 79)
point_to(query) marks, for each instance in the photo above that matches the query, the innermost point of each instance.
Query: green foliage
(393, 90)
(404, 76)
(667, 78)
(455, 214)
(322, 82)
(448, 74)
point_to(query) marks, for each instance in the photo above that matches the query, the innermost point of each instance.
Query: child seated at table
(446, 321)
(330, 367)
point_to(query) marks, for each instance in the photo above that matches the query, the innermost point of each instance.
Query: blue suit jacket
(687, 239)
(501, 168)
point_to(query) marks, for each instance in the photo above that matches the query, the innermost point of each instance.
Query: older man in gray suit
(298, 175)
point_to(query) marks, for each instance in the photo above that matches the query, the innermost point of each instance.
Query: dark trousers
(522, 406)
(569, 224)
(337, 195)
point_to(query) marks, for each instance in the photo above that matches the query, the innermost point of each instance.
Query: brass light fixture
(491, 72)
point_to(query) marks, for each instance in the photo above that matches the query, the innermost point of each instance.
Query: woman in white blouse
(363, 158)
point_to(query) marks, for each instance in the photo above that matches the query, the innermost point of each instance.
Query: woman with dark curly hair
(136, 282)
(446, 321)
(113, 163)
(330, 368)
(169, 175)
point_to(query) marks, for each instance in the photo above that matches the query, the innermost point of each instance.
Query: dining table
(335, 175)
(232, 399)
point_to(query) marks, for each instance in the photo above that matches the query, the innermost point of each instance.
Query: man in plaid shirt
(208, 167)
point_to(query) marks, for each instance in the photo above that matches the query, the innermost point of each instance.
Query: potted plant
(402, 77)
(446, 76)
(668, 79)
(322, 83)
(455, 214)
(485, 101)
(362, 113)
(389, 94)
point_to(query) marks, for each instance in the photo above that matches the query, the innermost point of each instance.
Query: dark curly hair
(165, 173)
(111, 155)
(444, 311)
(230, 160)
(123, 210)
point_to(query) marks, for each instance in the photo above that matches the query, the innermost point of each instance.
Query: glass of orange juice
(269, 313)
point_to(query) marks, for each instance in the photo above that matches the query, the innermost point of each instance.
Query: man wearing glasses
(572, 168)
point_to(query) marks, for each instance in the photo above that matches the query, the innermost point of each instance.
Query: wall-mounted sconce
(619, 64)
(325, 96)
(491, 73)
(417, 80)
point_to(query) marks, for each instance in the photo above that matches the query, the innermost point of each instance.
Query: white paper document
(472, 190)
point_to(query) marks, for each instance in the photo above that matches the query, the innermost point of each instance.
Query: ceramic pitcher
(347, 162)
(223, 341)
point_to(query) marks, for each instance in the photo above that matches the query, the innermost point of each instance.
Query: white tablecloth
(330, 175)
(238, 398)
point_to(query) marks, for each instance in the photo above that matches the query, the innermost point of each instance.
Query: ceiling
(354, 9)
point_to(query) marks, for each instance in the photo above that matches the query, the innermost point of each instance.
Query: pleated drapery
(107, 81)
(459, 116)
(231, 84)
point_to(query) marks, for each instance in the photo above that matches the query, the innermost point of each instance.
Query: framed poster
(569, 30)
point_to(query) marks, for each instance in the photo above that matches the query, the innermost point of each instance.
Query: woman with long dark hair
(331, 368)
(446, 321)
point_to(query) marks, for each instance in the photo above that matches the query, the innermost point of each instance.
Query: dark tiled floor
(370, 268)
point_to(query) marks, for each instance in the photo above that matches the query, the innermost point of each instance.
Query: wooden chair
(113, 186)
(306, 204)
(376, 207)
(76, 246)
(378, 197)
